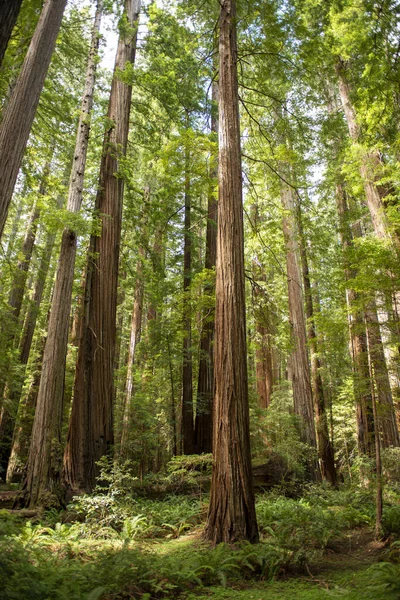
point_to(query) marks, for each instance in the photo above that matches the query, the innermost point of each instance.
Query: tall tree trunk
(264, 352)
(231, 515)
(15, 391)
(325, 447)
(298, 366)
(9, 11)
(44, 464)
(378, 461)
(136, 330)
(90, 434)
(23, 430)
(8, 409)
(205, 384)
(20, 111)
(188, 446)
(358, 340)
(386, 425)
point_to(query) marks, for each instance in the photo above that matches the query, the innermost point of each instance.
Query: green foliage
(281, 428)
(385, 577)
(76, 559)
(391, 520)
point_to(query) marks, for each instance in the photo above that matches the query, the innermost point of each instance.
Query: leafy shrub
(148, 518)
(391, 520)
(385, 577)
(391, 465)
(8, 524)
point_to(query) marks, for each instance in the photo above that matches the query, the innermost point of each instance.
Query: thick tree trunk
(90, 434)
(231, 515)
(188, 445)
(9, 11)
(298, 366)
(325, 447)
(20, 111)
(44, 464)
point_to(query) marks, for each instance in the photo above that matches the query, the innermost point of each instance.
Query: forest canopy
(199, 258)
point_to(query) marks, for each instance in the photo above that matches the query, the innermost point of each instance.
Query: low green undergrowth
(113, 545)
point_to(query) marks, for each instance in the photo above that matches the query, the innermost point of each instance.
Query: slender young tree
(370, 162)
(44, 467)
(90, 434)
(387, 425)
(205, 386)
(358, 340)
(188, 446)
(134, 339)
(12, 450)
(21, 108)
(231, 515)
(9, 11)
(298, 366)
(325, 447)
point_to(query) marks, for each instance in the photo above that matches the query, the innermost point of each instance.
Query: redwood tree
(90, 434)
(205, 386)
(231, 515)
(9, 11)
(45, 456)
(21, 108)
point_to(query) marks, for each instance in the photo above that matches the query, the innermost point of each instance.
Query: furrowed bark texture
(386, 424)
(9, 384)
(90, 434)
(205, 386)
(43, 482)
(231, 515)
(298, 365)
(358, 340)
(9, 11)
(20, 111)
(15, 391)
(325, 448)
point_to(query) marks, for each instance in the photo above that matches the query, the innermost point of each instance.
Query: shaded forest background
(109, 234)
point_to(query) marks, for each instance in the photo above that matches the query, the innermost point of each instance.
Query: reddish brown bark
(298, 365)
(358, 340)
(9, 11)
(324, 443)
(43, 481)
(90, 434)
(20, 110)
(386, 424)
(231, 515)
(14, 392)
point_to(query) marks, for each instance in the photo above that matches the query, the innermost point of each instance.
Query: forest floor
(115, 545)
(342, 573)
